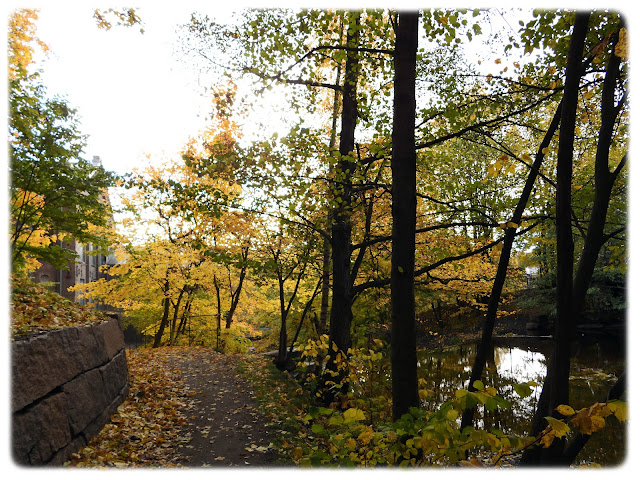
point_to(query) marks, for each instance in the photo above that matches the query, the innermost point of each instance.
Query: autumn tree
(572, 287)
(55, 194)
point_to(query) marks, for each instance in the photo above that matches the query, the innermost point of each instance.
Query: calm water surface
(595, 364)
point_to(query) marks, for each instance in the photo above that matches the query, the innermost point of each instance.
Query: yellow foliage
(565, 410)
(622, 47)
(366, 436)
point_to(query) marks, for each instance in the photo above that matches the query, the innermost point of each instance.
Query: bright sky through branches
(133, 94)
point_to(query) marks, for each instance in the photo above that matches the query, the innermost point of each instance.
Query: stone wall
(65, 386)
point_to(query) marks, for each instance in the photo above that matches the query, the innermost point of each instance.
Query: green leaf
(478, 385)
(522, 389)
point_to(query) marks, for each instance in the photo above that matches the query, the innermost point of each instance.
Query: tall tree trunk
(485, 347)
(342, 295)
(604, 180)
(157, 341)
(326, 243)
(235, 294)
(404, 368)
(556, 386)
(218, 313)
(173, 331)
(305, 311)
(184, 318)
(281, 359)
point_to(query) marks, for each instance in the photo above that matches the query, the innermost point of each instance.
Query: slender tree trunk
(235, 294)
(604, 180)
(404, 368)
(326, 244)
(157, 341)
(342, 295)
(184, 318)
(556, 386)
(305, 311)
(218, 313)
(485, 347)
(173, 332)
(281, 359)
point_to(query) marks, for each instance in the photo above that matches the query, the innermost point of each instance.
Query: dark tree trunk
(281, 359)
(556, 385)
(342, 295)
(185, 318)
(305, 311)
(485, 347)
(173, 332)
(157, 341)
(404, 369)
(321, 326)
(235, 294)
(604, 180)
(218, 313)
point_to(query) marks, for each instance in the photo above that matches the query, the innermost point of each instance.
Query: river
(596, 362)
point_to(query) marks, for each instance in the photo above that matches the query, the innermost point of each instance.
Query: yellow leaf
(297, 453)
(622, 47)
(597, 423)
(559, 427)
(545, 150)
(565, 410)
(619, 409)
(491, 391)
(452, 415)
(365, 437)
(353, 414)
(493, 440)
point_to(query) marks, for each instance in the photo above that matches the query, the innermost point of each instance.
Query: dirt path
(224, 427)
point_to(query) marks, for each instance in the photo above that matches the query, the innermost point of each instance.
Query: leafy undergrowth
(356, 429)
(283, 402)
(149, 425)
(36, 309)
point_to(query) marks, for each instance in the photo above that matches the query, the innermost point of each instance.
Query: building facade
(84, 268)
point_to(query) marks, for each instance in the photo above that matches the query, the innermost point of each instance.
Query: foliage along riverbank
(357, 429)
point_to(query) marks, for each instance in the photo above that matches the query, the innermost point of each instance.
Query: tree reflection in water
(593, 374)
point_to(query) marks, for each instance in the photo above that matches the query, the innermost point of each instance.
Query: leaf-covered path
(187, 406)
(224, 426)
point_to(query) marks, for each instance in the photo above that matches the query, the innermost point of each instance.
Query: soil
(224, 428)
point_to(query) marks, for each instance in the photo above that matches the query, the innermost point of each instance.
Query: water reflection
(594, 367)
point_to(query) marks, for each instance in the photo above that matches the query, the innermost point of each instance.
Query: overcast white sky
(133, 94)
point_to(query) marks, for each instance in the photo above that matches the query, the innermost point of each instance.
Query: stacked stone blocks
(65, 386)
